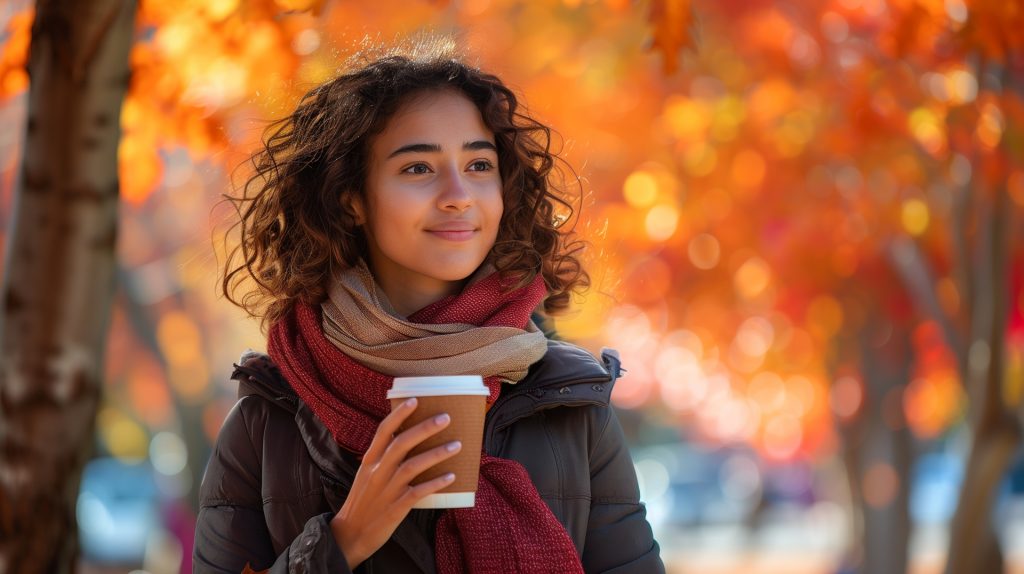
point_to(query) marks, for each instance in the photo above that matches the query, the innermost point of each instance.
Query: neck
(409, 295)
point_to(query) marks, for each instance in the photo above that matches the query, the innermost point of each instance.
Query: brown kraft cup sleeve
(467, 413)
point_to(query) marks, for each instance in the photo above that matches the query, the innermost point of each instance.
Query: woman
(402, 223)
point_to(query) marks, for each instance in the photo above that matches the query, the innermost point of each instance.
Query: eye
(481, 165)
(417, 169)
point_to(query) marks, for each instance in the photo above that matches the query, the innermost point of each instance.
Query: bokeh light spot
(640, 189)
(219, 9)
(168, 453)
(306, 42)
(881, 484)
(927, 128)
(990, 126)
(755, 336)
(834, 27)
(846, 397)
(961, 86)
(704, 251)
(915, 216)
(179, 338)
(752, 278)
(661, 222)
(687, 119)
(932, 403)
(123, 437)
(653, 479)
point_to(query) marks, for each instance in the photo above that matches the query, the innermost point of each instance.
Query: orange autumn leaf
(14, 53)
(673, 30)
(139, 167)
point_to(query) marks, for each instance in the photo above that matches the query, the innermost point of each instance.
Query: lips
(453, 231)
(453, 235)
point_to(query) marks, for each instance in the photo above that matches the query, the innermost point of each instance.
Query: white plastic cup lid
(437, 386)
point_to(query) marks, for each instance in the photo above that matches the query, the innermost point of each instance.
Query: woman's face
(433, 198)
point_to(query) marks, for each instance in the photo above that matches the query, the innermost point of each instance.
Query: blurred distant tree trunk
(190, 413)
(976, 334)
(59, 281)
(996, 433)
(876, 440)
(887, 448)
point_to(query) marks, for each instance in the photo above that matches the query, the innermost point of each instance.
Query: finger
(415, 493)
(413, 466)
(387, 429)
(399, 448)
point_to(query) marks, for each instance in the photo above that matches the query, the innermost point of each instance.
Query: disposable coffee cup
(464, 398)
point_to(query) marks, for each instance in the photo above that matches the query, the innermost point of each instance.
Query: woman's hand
(381, 495)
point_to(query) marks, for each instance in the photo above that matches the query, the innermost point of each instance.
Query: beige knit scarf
(359, 320)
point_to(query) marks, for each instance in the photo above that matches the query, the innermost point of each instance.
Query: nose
(455, 195)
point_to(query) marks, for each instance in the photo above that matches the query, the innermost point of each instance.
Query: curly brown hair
(295, 224)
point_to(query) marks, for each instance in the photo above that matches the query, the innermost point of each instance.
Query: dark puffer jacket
(276, 476)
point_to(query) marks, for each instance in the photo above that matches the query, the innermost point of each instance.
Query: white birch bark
(59, 282)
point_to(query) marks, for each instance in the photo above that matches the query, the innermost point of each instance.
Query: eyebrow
(436, 148)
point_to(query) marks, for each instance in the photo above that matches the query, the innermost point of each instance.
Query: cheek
(390, 207)
(496, 205)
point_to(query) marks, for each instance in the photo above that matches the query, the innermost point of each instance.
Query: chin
(453, 274)
(455, 270)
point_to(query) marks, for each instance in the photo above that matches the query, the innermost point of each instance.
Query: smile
(454, 234)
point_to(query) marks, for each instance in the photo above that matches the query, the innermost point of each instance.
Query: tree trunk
(59, 282)
(974, 546)
(886, 442)
(876, 436)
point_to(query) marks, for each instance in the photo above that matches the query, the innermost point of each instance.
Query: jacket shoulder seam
(604, 429)
(257, 453)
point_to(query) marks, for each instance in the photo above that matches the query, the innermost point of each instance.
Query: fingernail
(453, 446)
(410, 403)
(449, 477)
(442, 418)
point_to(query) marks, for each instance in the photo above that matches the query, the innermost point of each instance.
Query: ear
(355, 206)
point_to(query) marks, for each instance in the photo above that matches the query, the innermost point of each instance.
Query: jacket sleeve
(619, 538)
(231, 530)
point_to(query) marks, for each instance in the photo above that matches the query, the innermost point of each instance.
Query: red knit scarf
(510, 529)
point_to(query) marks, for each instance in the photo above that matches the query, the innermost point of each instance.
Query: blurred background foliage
(802, 215)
